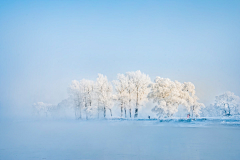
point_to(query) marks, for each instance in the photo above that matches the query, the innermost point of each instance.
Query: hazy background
(44, 45)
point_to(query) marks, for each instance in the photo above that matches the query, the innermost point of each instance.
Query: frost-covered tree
(104, 93)
(228, 103)
(130, 89)
(165, 93)
(196, 109)
(187, 93)
(76, 95)
(121, 92)
(83, 95)
(140, 83)
(87, 89)
(170, 94)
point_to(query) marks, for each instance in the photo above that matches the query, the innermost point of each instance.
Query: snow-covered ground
(120, 139)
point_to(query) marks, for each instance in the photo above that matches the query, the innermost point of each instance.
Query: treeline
(130, 92)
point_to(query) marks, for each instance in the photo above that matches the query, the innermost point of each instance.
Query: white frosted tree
(169, 95)
(190, 100)
(140, 86)
(196, 107)
(165, 93)
(104, 93)
(228, 103)
(83, 96)
(130, 89)
(87, 89)
(121, 92)
(76, 95)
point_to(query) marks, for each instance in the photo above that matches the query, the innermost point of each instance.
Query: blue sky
(44, 45)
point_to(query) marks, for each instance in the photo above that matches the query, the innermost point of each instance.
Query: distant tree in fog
(43, 108)
(63, 108)
(77, 97)
(228, 103)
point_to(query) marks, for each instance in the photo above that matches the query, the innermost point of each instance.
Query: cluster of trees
(169, 95)
(88, 95)
(133, 90)
(130, 91)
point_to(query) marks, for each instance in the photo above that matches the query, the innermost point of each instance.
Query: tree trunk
(104, 112)
(121, 110)
(136, 109)
(228, 109)
(125, 112)
(130, 112)
(136, 113)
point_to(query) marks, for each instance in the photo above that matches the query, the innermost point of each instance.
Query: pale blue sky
(44, 45)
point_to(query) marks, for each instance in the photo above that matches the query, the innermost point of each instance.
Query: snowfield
(173, 139)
